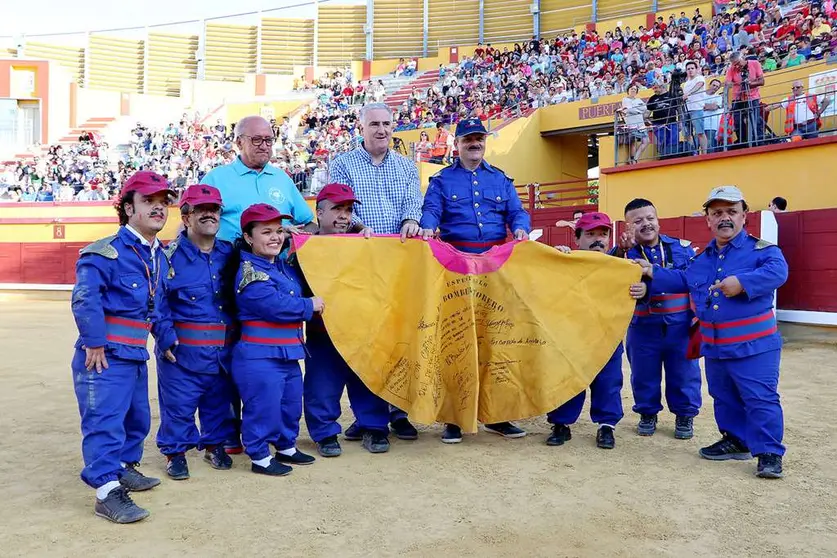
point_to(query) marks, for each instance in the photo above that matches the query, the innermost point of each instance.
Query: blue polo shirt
(241, 187)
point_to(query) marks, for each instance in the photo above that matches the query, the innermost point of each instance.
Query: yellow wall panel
(620, 8)
(561, 15)
(285, 43)
(688, 6)
(171, 58)
(507, 20)
(230, 51)
(115, 64)
(72, 59)
(452, 22)
(398, 28)
(340, 34)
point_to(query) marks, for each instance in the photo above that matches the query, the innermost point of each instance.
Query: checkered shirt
(388, 193)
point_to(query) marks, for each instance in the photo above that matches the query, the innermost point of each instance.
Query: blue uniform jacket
(742, 325)
(271, 309)
(664, 307)
(111, 302)
(197, 317)
(473, 208)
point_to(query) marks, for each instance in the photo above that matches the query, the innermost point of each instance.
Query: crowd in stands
(507, 82)
(492, 83)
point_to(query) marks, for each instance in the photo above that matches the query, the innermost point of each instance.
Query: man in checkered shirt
(385, 183)
(387, 186)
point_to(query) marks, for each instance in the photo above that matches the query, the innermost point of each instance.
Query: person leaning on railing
(634, 110)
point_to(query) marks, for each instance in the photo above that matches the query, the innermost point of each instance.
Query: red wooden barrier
(809, 241)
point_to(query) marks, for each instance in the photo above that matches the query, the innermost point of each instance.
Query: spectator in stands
(712, 111)
(663, 108)
(746, 78)
(423, 148)
(634, 110)
(803, 113)
(694, 95)
(778, 205)
(250, 179)
(571, 224)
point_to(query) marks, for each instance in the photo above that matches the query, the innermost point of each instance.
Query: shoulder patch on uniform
(103, 247)
(501, 171)
(170, 249)
(685, 243)
(761, 244)
(250, 274)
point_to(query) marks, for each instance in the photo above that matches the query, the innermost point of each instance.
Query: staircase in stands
(421, 82)
(96, 124)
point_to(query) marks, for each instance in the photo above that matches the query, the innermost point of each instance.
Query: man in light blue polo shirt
(250, 179)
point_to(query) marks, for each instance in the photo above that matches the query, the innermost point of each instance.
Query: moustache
(597, 244)
(647, 228)
(156, 214)
(726, 225)
(208, 220)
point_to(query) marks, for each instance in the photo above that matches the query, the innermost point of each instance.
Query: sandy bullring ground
(485, 497)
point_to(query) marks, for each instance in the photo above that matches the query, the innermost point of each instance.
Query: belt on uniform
(196, 334)
(738, 331)
(476, 244)
(127, 331)
(271, 333)
(664, 304)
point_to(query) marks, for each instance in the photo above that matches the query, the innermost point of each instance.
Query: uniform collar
(483, 165)
(258, 261)
(243, 169)
(736, 242)
(666, 239)
(134, 235)
(192, 251)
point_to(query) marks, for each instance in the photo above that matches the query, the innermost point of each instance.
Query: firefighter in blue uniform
(117, 300)
(473, 205)
(592, 232)
(326, 373)
(199, 379)
(659, 332)
(271, 309)
(732, 284)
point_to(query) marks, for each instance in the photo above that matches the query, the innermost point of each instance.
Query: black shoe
(505, 429)
(724, 449)
(452, 434)
(329, 447)
(135, 481)
(274, 469)
(647, 425)
(218, 458)
(770, 466)
(119, 508)
(375, 442)
(404, 430)
(354, 433)
(177, 467)
(298, 458)
(560, 434)
(684, 428)
(605, 438)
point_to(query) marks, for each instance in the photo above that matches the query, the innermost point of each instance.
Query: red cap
(261, 213)
(146, 183)
(199, 194)
(590, 221)
(337, 193)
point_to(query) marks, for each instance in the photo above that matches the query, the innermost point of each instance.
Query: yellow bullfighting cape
(460, 338)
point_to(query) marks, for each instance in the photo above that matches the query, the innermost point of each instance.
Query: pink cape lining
(450, 258)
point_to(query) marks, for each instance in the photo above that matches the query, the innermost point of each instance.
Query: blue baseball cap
(470, 126)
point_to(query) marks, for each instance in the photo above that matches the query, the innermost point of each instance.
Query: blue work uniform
(659, 336)
(117, 300)
(473, 210)
(200, 379)
(605, 397)
(326, 376)
(241, 187)
(265, 360)
(740, 340)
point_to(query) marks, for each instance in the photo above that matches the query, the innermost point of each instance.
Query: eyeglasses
(258, 141)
